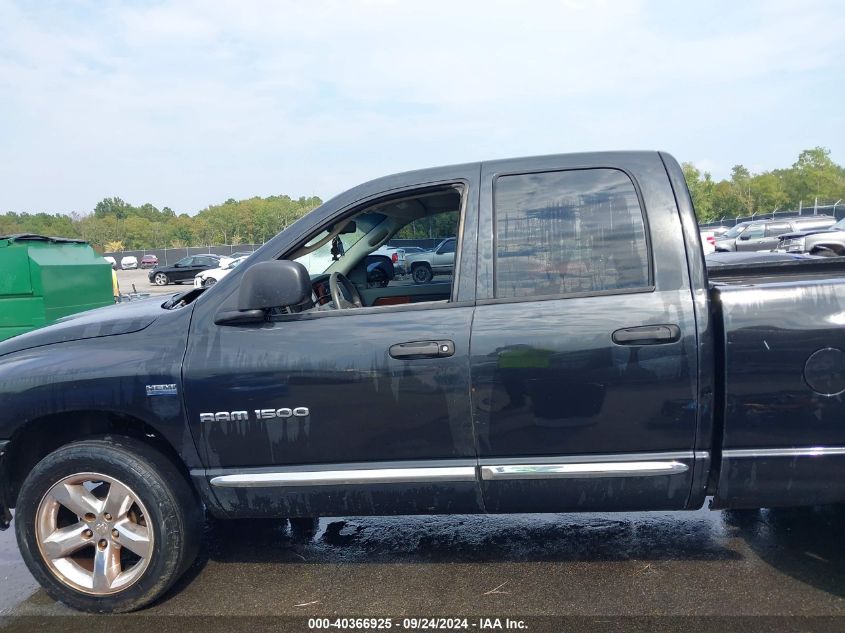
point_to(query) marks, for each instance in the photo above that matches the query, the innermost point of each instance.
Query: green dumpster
(45, 278)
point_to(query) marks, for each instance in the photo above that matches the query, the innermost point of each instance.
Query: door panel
(551, 387)
(364, 405)
(566, 418)
(333, 395)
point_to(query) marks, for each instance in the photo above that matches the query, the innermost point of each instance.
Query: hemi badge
(161, 390)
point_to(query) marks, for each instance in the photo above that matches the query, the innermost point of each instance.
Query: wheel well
(418, 264)
(41, 436)
(836, 248)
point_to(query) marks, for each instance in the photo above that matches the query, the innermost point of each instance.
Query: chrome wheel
(160, 279)
(208, 281)
(93, 533)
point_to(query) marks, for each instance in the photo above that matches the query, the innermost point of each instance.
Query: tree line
(115, 225)
(813, 176)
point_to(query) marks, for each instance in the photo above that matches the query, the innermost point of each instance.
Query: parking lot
(138, 278)
(773, 563)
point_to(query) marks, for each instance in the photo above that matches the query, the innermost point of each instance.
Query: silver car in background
(424, 266)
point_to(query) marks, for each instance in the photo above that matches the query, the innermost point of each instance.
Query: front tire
(160, 279)
(107, 525)
(208, 282)
(421, 274)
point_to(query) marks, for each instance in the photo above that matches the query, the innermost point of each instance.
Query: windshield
(839, 226)
(735, 231)
(319, 260)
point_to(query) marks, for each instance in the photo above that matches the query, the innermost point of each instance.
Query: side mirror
(265, 285)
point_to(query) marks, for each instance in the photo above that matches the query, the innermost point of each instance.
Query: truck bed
(778, 271)
(781, 397)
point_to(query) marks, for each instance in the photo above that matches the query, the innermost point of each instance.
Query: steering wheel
(336, 280)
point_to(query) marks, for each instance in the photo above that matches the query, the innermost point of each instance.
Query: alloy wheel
(94, 534)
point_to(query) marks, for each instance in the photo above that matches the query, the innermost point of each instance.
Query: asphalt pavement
(768, 563)
(127, 278)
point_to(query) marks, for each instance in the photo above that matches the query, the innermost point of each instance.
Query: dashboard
(321, 295)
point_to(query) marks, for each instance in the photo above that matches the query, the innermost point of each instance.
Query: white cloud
(188, 103)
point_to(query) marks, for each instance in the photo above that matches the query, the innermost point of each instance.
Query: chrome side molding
(806, 451)
(583, 470)
(340, 477)
(489, 469)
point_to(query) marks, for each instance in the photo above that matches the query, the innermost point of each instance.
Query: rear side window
(777, 229)
(568, 232)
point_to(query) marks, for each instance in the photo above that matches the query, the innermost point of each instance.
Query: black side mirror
(265, 285)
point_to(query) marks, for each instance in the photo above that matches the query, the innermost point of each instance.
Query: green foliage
(113, 220)
(435, 226)
(813, 175)
(256, 220)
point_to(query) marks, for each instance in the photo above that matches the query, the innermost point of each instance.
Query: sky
(188, 103)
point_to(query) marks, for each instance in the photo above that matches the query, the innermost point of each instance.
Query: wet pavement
(773, 562)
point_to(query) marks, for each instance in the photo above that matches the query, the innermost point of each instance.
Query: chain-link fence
(167, 256)
(836, 210)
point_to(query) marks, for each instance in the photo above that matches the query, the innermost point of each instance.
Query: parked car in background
(380, 271)
(764, 235)
(111, 261)
(149, 261)
(825, 241)
(441, 261)
(183, 270)
(708, 241)
(210, 277)
(227, 259)
(130, 262)
(409, 250)
(396, 255)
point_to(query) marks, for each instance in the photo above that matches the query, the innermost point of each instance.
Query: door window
(446, 248)
(367, 247)
(567, 232)
(753, 232)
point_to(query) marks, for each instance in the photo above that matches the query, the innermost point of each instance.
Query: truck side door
(584, 354)
(772, 235)
(354, 411)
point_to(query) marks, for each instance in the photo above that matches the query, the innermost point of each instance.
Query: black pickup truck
(580, 358)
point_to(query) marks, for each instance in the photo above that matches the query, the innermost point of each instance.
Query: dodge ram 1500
(581, 358)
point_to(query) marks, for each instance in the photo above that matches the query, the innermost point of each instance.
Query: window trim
(463, 187)
(399, 307)
(651, 287)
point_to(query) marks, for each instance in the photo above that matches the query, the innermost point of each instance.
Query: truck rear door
(583, 345)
